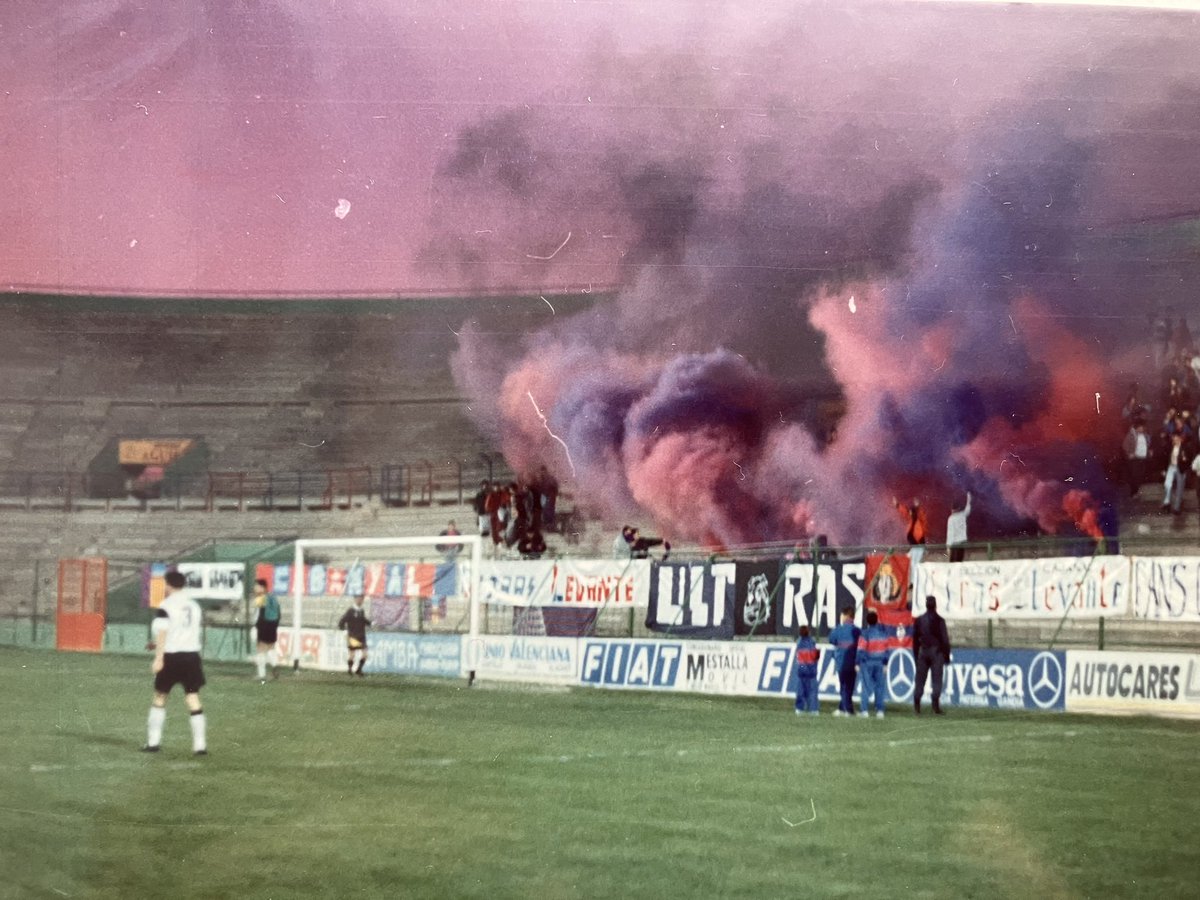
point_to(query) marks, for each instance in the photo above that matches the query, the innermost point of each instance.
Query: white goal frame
(471, 541)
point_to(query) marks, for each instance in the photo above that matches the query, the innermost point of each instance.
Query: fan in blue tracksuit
(873, 655)
(845, 657)
(807, 656)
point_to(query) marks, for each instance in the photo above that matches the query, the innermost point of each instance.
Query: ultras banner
(1084, 587)
(814, 593)
(693, 599)
(754, 609)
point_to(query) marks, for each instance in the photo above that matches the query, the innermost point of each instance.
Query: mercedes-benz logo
(1045, 680)
(901, 675)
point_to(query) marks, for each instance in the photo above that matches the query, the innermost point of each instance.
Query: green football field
(318, 785)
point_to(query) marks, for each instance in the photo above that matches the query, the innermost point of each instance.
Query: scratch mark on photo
(556, 249)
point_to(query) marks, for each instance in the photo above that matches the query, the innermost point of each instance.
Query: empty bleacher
(285, 386)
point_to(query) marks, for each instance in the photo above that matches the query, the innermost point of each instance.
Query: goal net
(421, 594)
(417, 585)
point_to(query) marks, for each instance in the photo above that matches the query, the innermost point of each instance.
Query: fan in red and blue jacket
(845, 657)
(873, 652)
(807, 656)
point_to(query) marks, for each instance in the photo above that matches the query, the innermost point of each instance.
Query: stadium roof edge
(251, 305)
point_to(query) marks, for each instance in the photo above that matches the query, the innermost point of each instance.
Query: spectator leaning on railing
(956, 531)
(630, 544)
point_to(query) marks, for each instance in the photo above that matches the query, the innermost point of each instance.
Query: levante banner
(1083, 587)
(566, 582)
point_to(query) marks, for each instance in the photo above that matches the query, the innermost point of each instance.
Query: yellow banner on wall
(151, 452)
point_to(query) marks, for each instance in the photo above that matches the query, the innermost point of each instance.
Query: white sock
(260, 661)
(154, 726)
(273, 657)
(198, 737)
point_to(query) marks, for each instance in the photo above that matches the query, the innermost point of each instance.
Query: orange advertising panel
(152, 452)
(82, 604)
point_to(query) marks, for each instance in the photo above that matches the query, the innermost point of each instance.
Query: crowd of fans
(517, 515)
(1161, 438)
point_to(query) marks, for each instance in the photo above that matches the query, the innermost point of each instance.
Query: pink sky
(202, 148)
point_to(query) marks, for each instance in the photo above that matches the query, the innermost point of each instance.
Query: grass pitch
(318, 785)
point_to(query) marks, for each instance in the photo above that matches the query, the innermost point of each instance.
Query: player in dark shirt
(354, 622)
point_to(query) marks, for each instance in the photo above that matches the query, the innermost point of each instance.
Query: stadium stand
(293, 400)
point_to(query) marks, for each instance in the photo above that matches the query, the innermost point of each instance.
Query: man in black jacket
(479, 504)
(931, 648)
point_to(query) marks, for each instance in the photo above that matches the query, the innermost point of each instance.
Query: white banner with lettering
(1167, 588)
(1082, 587)
(1129, 682)
(526, 582)
(215, 580)
(507, 657)
(567, 582)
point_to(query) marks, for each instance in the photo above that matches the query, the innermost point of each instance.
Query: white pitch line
(957, 739)
(855, 738)
(114, 765)
(208, 823)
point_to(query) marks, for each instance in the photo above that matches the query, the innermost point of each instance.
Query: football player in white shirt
(177, 637)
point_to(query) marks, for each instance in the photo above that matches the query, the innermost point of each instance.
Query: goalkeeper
(266, 629)
(354, 622)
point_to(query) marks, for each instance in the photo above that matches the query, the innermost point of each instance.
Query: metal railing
(415, 483)
(41, 490)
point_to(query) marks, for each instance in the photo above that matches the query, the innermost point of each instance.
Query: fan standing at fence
(354, 622)
(807, 656)
(845, 657)
(872, 664)
(266, 629)
(177, 639)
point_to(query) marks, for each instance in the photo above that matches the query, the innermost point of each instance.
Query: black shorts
(353, 644)
(180, 668)
(268, 632)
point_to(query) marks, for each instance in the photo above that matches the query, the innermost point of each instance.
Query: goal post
(395, 574)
